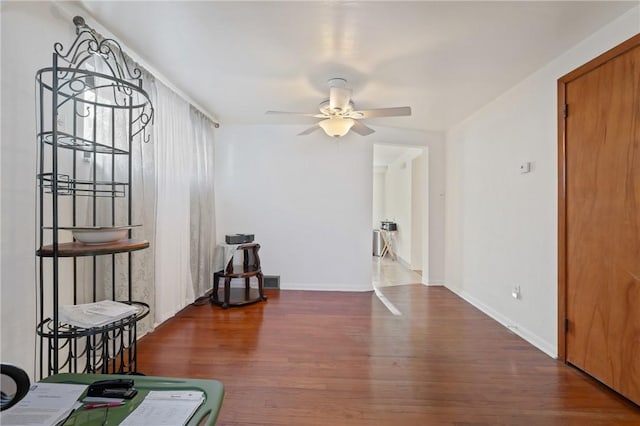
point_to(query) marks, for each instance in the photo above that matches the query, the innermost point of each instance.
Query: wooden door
(601, 247)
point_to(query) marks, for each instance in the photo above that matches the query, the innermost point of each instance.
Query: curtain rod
(80, 22)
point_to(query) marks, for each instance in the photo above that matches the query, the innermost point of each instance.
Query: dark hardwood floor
(339, 358)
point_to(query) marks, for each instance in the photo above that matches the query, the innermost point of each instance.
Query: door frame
(426, 213)
(562, 169)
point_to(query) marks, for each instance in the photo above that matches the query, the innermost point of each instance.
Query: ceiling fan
(339, 115)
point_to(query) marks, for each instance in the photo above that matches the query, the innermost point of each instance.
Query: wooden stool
(250, 268)
(387, 238)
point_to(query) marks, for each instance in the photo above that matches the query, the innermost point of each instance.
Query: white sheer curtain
(203, 221)
(173, 160)
(143, 201)
(172, 196)
(143, 194)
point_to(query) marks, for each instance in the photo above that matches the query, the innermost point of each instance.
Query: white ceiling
(444, 59)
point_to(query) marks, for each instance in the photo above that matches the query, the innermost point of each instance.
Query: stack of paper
(165, 408)
(45, 404)
(95, 314)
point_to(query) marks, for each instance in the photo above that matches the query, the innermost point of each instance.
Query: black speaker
(388, 226)
(239, 238)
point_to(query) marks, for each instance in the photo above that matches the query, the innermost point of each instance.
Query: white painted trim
(326, 287)
(513, 326)
(433, 283)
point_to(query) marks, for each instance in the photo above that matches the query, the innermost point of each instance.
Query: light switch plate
(525, 167)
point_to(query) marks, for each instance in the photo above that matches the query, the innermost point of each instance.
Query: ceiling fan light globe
(336, 126)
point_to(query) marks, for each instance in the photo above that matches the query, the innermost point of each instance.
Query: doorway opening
(399, 215)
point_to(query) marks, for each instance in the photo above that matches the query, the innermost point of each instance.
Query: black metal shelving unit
(91, 108)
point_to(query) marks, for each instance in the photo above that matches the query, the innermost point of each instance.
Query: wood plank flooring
(385, 272)
(340, 358)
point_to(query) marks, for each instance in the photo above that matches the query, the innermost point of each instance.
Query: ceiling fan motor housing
(339, 99)
(338, 113)
(330, 111)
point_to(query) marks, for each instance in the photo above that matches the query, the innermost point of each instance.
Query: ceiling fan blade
(301, 114)
(309, 130)
(382, 112)
(339, 98)
(361, 129)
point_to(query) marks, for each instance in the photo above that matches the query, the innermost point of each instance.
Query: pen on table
(102, 405)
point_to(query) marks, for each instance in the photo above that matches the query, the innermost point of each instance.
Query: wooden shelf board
(80, 249)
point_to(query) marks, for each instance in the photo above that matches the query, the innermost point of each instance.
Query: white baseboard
(403, 262)
(325, 287)
(534, 339)
(433, 283)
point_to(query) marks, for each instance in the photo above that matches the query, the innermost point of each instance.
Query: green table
(206, 414)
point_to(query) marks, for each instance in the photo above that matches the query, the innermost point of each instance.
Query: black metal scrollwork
(89, 43)
(119, 83)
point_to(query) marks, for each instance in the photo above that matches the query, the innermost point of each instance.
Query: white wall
(501, 225)
(404, 178)
(404, 196)
(398, 206)
(29, 31)
(377, 211)
(307, 199)
(433, 271)
(418, 208)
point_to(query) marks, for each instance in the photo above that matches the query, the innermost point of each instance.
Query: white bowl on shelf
(93, 235)
(99, 236)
